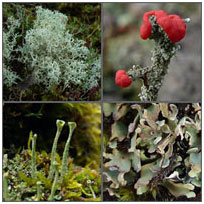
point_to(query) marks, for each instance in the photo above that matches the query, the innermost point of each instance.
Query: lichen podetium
(72, 126)
(166, 31)
(35, 176)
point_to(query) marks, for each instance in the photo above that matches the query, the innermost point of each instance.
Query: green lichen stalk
(38, 191)
(60, 125)
(91, 189)
(5, 187)
(55, 165)
(21, 181)
(72, 126)
(30, 140)
(34, 167)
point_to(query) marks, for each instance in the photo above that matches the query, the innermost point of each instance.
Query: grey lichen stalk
(162, 53)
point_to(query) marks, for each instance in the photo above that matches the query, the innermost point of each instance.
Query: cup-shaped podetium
(72, 126)
(60, 125)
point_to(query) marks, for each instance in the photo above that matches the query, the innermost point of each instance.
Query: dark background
(20, 119)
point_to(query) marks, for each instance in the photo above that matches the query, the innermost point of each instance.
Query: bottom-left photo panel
(51, 152)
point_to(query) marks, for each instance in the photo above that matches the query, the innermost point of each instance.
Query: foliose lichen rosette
(154, 151)
(166, 31)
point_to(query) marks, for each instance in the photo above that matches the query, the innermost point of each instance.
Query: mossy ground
(80, 184)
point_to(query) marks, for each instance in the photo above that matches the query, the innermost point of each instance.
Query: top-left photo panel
(51, 51)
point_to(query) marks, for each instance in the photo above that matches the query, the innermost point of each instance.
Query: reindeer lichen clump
(48, 56)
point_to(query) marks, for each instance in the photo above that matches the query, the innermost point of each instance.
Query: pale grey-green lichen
(10, 77)
(51, 55)
(154, 151)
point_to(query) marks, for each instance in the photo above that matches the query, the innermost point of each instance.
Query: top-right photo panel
(152, 52)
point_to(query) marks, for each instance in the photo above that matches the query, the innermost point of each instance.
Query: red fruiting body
(120, 72)
(125, 81)
(146, 28)
(160, 14)
(122, 79)
(173, 25)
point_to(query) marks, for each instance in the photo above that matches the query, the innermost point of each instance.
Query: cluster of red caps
(173, 26)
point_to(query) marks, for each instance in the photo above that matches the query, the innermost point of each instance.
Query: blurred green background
(124, 48)
(20, 119)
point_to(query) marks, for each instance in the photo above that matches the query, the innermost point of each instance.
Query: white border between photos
(84, 1)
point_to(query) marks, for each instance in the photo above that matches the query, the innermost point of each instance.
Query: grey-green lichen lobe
(156, 152)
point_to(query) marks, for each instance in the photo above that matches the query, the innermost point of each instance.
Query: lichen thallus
(54, 172)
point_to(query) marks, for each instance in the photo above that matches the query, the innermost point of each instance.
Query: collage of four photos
(102, 101)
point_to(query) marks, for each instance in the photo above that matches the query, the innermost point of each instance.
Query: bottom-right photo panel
(152, 152)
